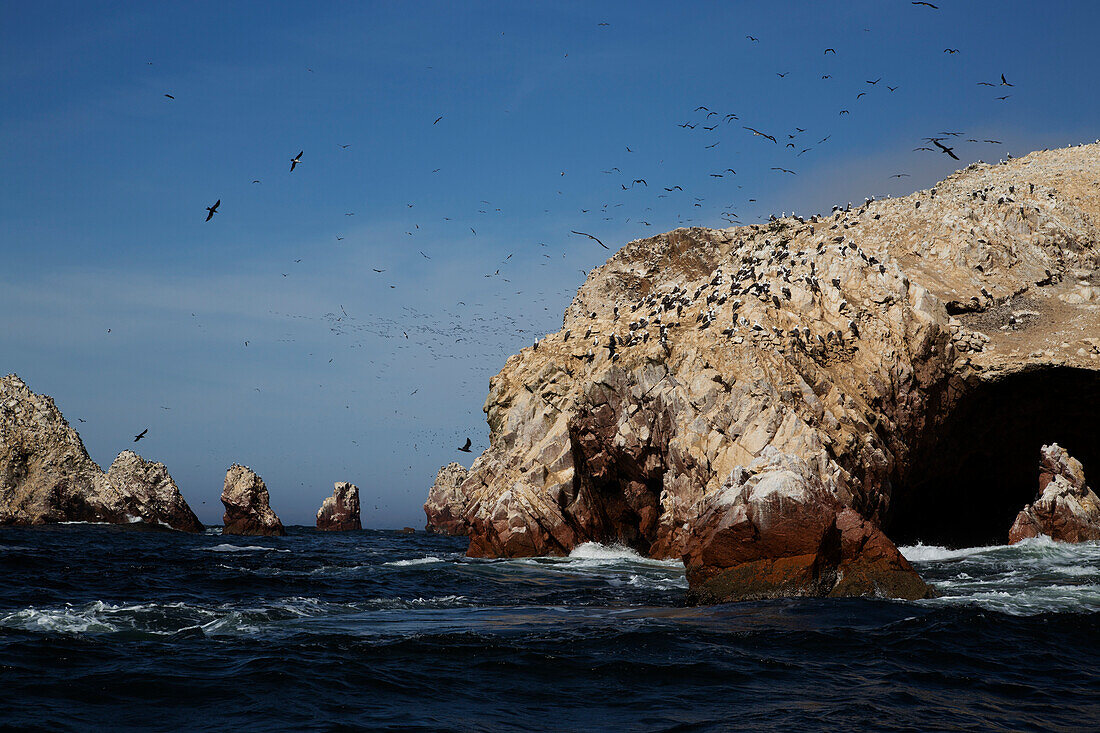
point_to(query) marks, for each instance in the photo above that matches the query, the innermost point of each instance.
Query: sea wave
(241, 548)
(415, 561)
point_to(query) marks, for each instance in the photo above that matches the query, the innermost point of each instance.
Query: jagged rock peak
(340, 512)
(46, 475)
(1066, 509)
(248, 505)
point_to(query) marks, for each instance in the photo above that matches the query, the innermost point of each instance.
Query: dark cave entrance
(980, 464)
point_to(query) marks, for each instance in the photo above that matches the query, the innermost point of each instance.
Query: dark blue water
(108, 629)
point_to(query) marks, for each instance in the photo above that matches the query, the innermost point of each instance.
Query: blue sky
(132, 312)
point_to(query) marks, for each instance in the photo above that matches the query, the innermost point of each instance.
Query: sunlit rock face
(46, 475)
(765, 401)
(248, 504)
(1066, 509)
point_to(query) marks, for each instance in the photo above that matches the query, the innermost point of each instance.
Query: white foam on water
(417, 561)
(595, 553)
(933, 553)
(1036, 575)
(241, 548)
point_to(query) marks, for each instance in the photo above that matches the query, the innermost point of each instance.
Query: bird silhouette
(211, 210)
(466, 448)
(296, 160)
(141, 435)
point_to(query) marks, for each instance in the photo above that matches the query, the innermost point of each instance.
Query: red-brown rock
(773, 530)
(340, 512)
(248, 505)
(1066, 509)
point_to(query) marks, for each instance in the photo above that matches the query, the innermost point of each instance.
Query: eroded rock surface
(843, 341)
(46, 475)
(1066, 510)
(446, 504)
(340, 512)
(248, 505)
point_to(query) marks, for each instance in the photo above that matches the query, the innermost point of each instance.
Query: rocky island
(47, 476)
(340, 512)
(248, 505)
(779, 405)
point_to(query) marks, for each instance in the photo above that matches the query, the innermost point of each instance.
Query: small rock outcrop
(47, 476)
(248, 505)
(1066, 509)
(852, 341)
(446, 504)
(340, 512)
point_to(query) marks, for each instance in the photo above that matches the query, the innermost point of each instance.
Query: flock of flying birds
(703, 121)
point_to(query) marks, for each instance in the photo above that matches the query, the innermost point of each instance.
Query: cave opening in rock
(618, 484)
(979, 465)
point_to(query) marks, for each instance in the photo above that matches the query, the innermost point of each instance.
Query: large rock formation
(340, 512)
(906, 355)
(46, 475)
(446, 504)
(248, 505)
(1066, 510)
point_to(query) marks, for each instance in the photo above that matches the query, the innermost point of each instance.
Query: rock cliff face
(340, 512)
(764, 401)
(46, 475)
(248, 505)
(1066, 510)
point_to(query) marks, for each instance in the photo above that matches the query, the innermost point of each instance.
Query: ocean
(115, 629)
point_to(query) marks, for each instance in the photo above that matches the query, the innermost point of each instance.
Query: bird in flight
(830, 49)
(1004, 97)
(1004, 82)
(437, 119)
(466, 448)
(761, 134)
(900, 175)
(641, 181)
(784, 170)
(986, 84)
(345, 147)
(951, 50)
(141, 435)
(596, 240)
(169, 96)
(754, 39)
(211, 210)
(296, 160)
(944, 148)
(934, 7)
(892, 89)
(876, 81)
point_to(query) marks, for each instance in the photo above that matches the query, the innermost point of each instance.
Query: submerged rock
(1066, 509)
(822, 343)
(248, 505)
(340, 512)
(46, 475)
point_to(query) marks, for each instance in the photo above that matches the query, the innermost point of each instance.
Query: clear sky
(477, 136)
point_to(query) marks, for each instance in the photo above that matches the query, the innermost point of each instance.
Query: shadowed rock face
(46, 475)
(248, 505)
(1066, 510)
(340, 512)
(863, 348)
(446, 504)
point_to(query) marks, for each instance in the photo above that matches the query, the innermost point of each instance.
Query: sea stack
(1066, 509)
(248, 505)
(340, 512)
(47, 476)
(779, 404)
(446, 504)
